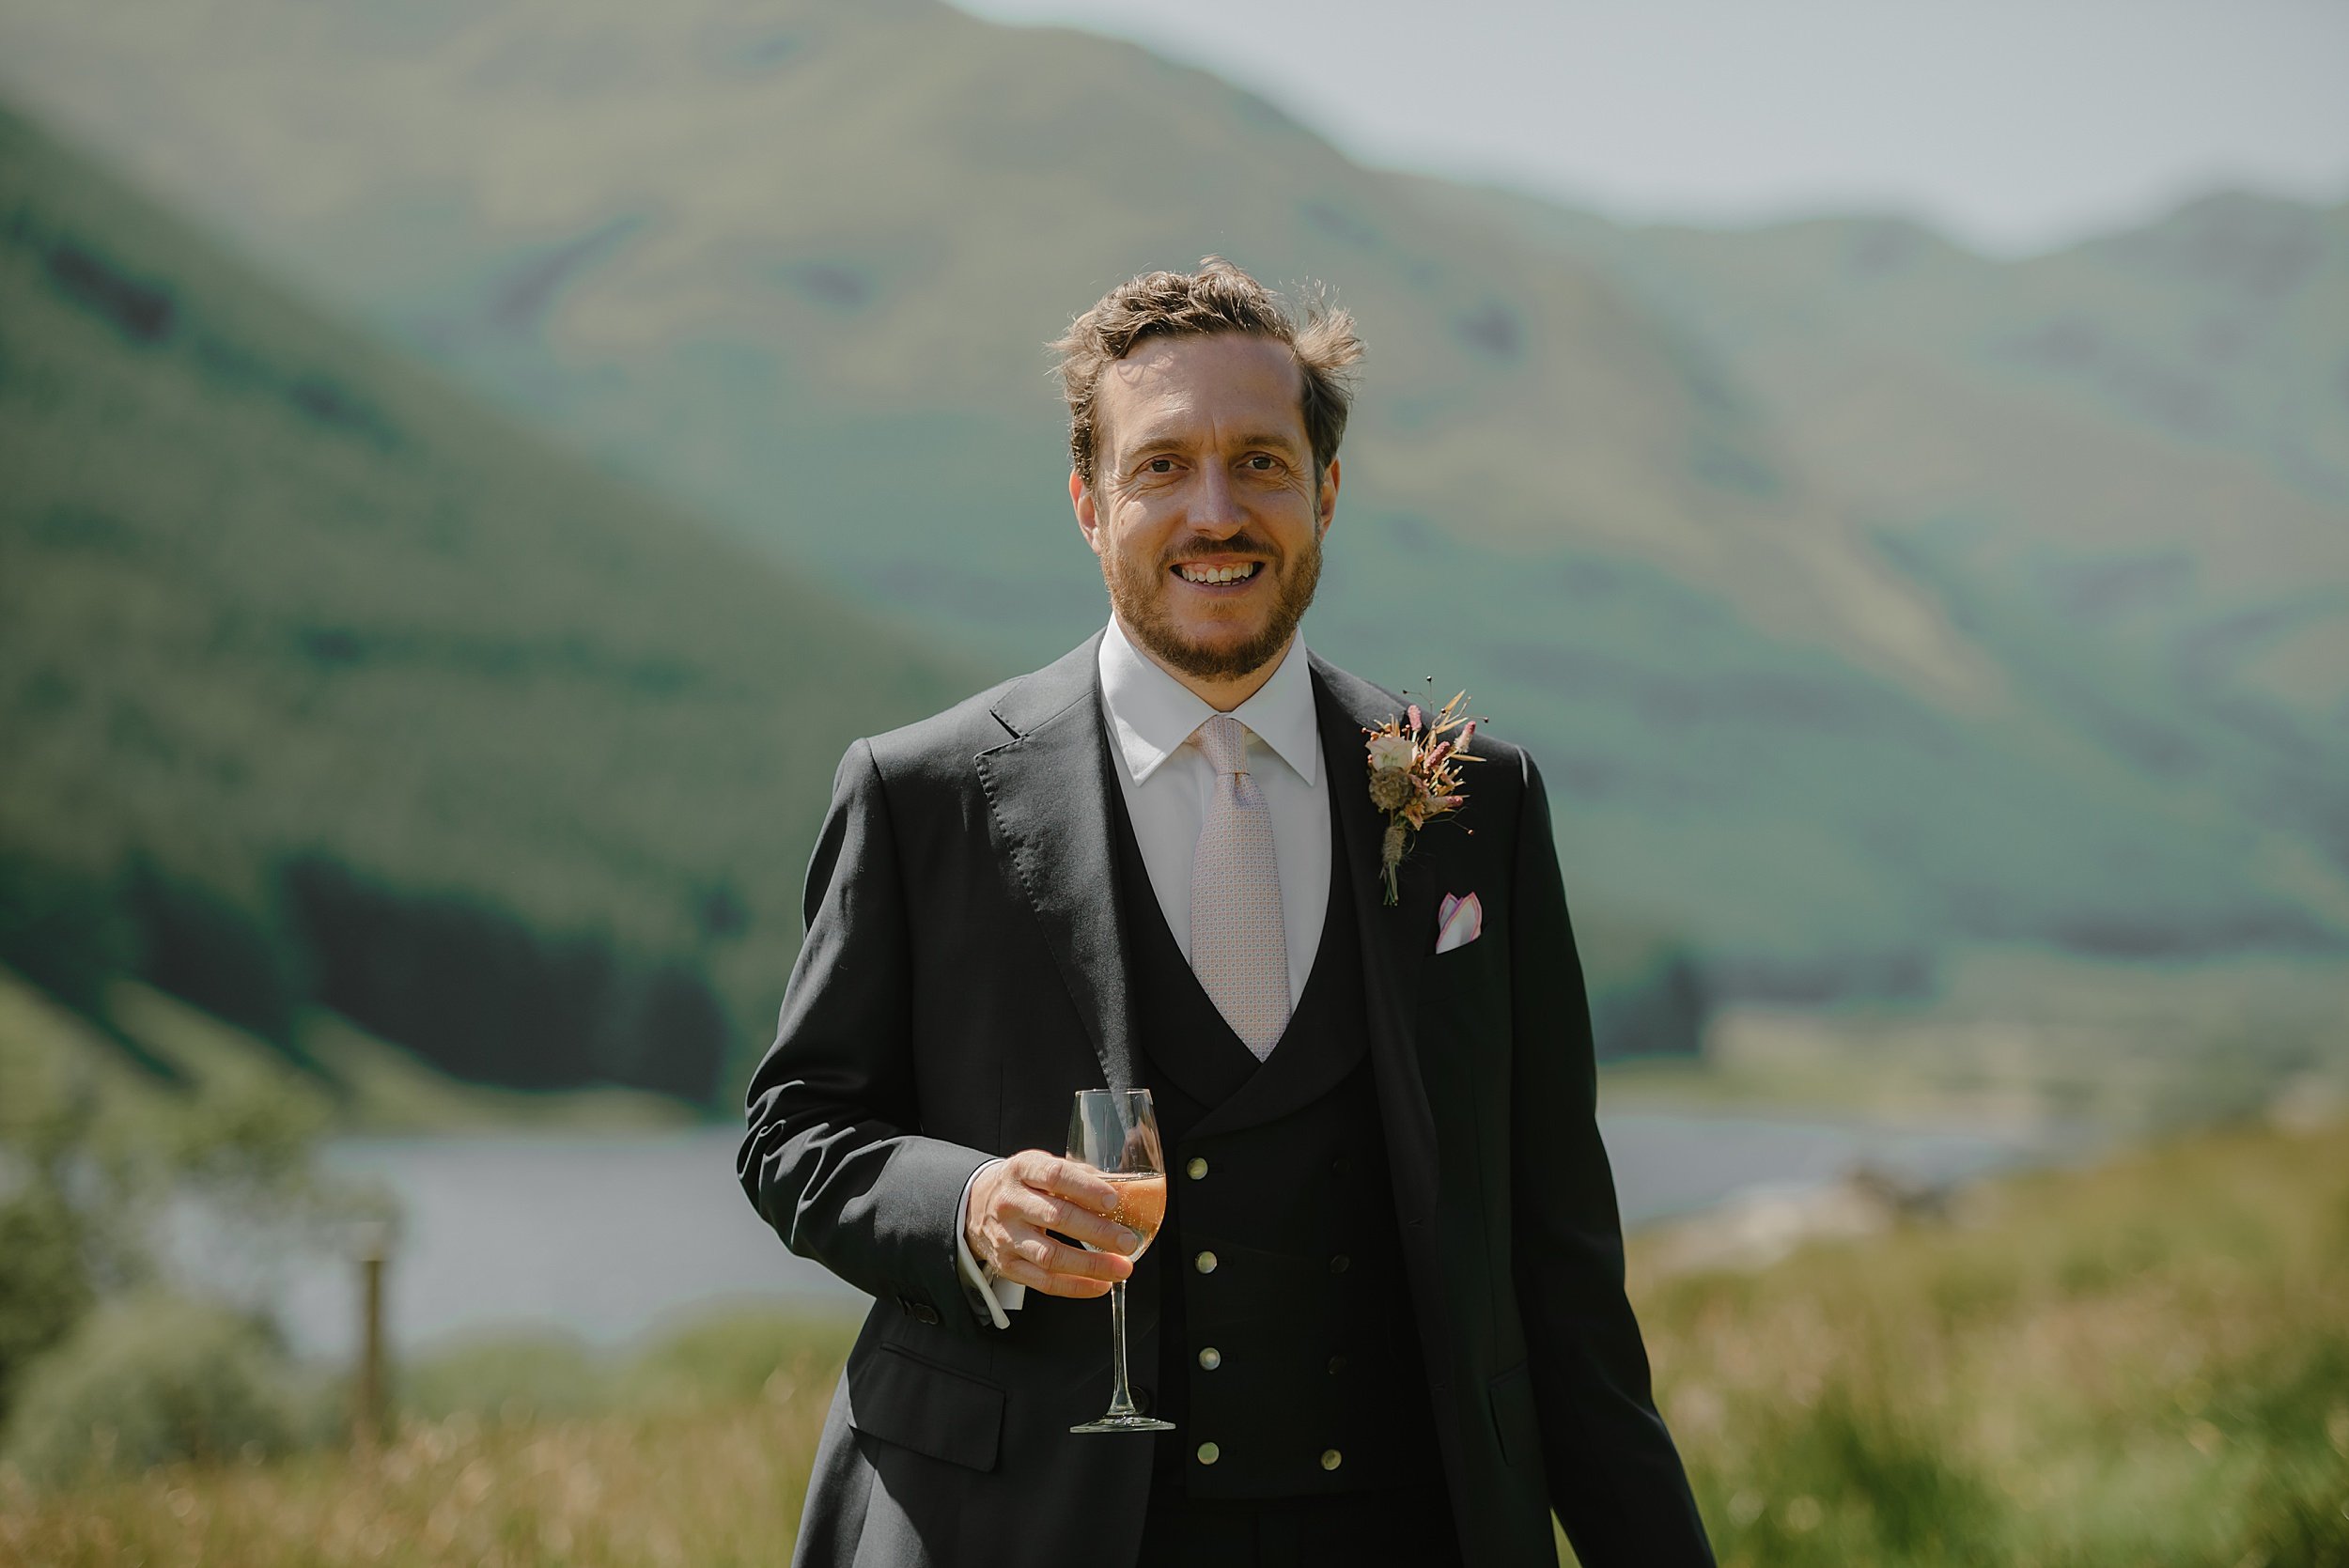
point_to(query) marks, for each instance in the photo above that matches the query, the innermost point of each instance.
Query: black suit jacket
(965, 972)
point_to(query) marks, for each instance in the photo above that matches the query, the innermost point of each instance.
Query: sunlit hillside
(323, 686)
(2125, 462)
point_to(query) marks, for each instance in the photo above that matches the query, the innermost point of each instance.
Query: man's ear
(1080, 501)
(1329, 506)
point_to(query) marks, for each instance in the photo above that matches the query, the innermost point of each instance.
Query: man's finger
(1019, 1271)
(1010, 1241)
(1065, 1178)
(1083, 1225)
(1058, 1257)
(1077, 1223)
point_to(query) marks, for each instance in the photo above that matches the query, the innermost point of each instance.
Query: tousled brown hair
(1217, 298)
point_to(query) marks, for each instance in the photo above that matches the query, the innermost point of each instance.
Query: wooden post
(368, 1402)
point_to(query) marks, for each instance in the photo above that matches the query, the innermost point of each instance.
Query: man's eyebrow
(1151, 445)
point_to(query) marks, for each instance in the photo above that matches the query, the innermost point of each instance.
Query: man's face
(1203, 507)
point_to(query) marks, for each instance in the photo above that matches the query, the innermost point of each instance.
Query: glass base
(1125, 1424)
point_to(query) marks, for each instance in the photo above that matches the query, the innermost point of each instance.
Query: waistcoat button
(1209, 1454)
(1340, 1263)
(1203, 1263)
(1196, 1168)
(1337, 1365)
(1331, 1459)
(1211, 1358)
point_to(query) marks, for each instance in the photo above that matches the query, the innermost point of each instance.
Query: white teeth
(1218, 574)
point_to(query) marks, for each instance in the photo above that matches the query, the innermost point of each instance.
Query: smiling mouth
(1216, 575)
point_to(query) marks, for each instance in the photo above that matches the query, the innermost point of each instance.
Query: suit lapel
(1048, 795)
(1048, 792)
(1395, 942)
(1394, 939)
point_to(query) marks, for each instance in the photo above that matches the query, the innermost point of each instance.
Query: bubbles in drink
(1141, 1203)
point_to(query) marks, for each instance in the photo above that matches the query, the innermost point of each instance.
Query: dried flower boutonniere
(1415, 776)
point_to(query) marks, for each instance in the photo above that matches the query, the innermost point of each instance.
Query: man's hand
(1014, 1202)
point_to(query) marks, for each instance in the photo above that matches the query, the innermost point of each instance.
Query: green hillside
(2121, 395)
(1794, 693)
(322, 687)
(2124, 464)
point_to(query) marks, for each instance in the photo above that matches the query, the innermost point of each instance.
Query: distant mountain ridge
(1839, 644)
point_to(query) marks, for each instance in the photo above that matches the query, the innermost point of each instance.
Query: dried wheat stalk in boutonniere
(1414, 776)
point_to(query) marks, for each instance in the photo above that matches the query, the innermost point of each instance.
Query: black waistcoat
(1287, 1337)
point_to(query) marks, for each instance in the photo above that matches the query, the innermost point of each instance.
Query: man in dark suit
(1386, 1311)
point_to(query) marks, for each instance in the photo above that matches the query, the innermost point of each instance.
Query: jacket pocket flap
(918, 1405)
(1515, 1423)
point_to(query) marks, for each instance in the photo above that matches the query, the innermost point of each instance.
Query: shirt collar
(1152, 714)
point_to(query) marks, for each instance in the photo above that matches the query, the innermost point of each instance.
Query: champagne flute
(1116, 1133)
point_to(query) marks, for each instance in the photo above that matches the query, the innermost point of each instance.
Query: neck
(1223, 695)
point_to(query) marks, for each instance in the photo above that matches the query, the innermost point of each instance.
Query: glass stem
(1121, 1401)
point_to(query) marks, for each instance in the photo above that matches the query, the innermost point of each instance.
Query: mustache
(1235, 543)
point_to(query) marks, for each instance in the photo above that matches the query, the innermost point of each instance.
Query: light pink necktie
(1238, 947)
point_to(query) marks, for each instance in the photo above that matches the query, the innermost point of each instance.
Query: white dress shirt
(1169, 785)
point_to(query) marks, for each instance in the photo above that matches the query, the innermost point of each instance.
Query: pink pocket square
(1459, 923)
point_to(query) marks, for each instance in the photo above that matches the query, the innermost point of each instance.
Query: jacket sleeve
(1614, 1478)
(831, 1159)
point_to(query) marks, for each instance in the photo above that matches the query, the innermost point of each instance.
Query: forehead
(1228, 383)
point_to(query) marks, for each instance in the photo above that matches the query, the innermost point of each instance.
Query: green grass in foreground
(512, 1451)
(2144, 1363)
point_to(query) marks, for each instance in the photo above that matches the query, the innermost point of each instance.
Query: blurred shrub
(151, 1380)
(86, 1167)
(2301, 1506)
(44, 1282)
(248, 1146)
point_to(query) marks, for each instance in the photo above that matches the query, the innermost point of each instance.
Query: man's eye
(1162, 465)
(1263, 463)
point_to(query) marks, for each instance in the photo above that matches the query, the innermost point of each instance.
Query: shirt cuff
(996, 1294)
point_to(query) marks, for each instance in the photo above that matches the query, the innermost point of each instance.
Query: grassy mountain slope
(2124, 464)
(2220, 325)
(320, 684)
(2166, 403)
(794, 266)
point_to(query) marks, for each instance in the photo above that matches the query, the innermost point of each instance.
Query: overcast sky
(2015, 125)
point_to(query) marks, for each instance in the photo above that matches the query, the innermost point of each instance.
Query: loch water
(606, 1237)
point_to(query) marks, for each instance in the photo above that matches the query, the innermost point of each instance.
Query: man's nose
(1214, 503)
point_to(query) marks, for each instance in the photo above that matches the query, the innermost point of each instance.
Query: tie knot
(1224, 740)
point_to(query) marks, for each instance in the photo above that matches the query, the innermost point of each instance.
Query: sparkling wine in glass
(1116, 1133)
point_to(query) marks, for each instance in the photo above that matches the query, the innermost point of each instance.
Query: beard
(1137, 594)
